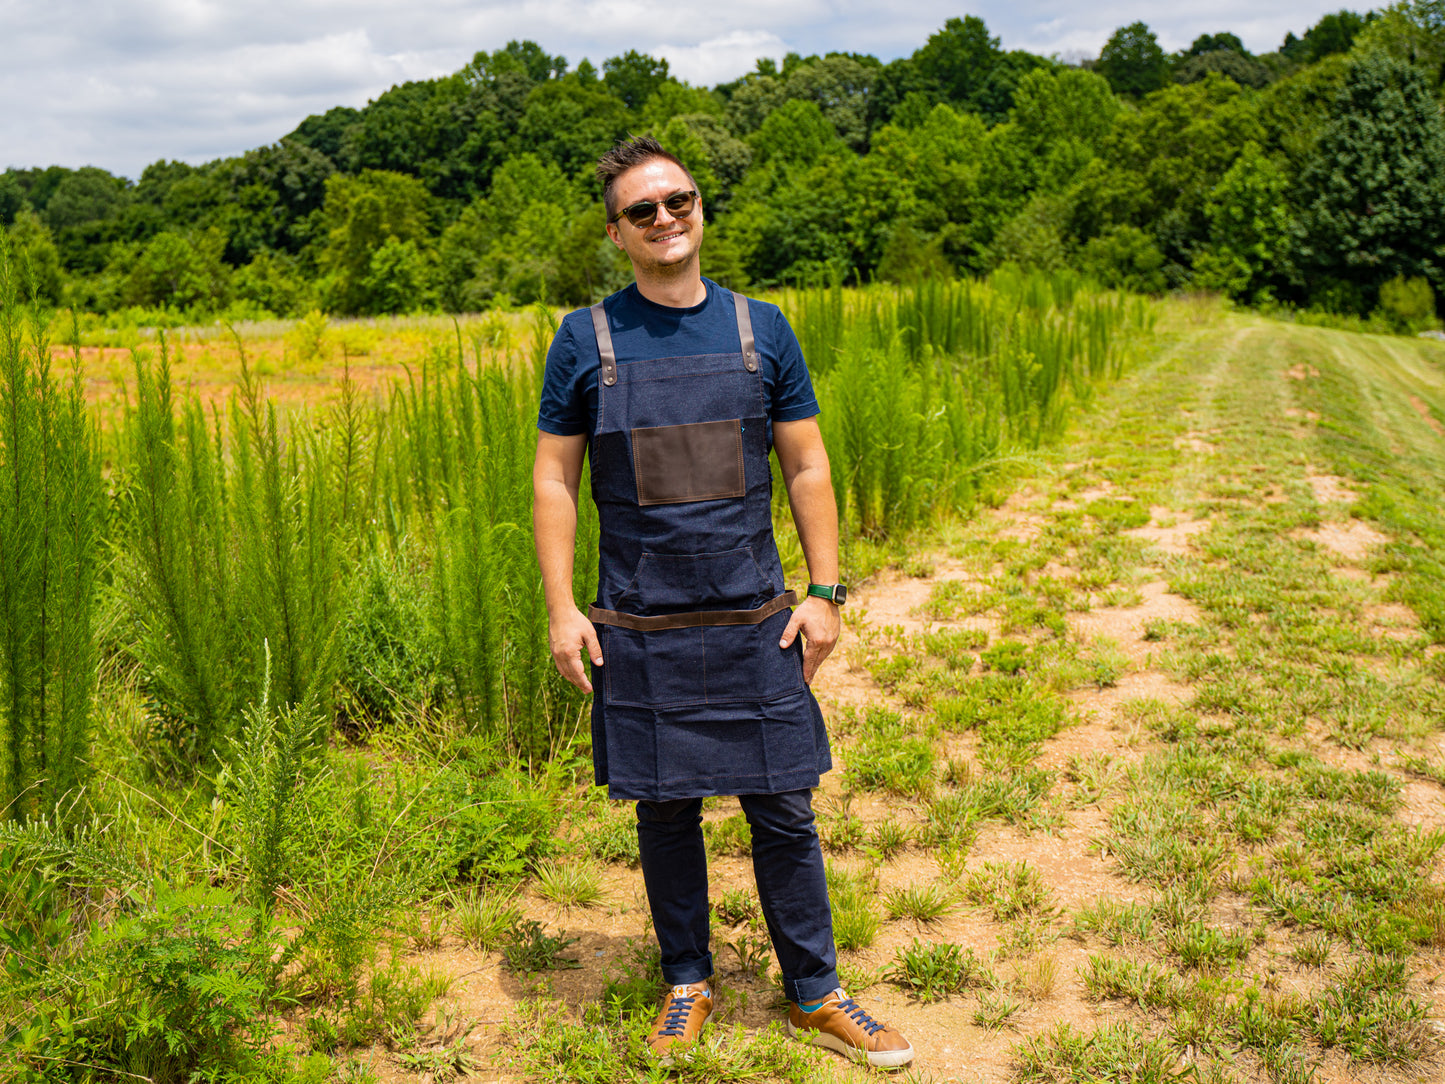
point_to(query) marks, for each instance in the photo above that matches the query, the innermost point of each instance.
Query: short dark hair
(622, 157)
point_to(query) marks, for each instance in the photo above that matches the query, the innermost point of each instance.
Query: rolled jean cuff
(682, 974)
(808, 990)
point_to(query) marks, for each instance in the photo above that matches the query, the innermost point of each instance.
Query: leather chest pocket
(702, 461)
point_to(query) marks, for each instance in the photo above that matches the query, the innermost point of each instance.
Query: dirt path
(1139, 569)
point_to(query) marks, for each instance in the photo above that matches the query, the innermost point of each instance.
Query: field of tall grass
(267, 676)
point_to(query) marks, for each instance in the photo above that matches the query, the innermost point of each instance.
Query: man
(676, 389)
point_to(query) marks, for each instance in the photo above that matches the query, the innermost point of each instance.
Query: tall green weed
(51, 517)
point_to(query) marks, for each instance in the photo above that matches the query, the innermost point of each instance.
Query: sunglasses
(644, 214)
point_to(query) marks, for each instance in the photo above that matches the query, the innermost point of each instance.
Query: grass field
(1141, 771)
(1140, 774)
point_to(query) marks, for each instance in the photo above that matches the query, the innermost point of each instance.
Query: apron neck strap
(608, 355)
(745, 332)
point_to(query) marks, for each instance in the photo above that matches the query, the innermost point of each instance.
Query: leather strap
(608, 371)
(694, 619)
(745, 332)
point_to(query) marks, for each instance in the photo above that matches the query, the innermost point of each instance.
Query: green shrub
(176, 992)
(932, 971)
(1408, 304)
(390, 661)
(890, 755)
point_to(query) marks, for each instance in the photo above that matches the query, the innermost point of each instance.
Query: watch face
(840, 594)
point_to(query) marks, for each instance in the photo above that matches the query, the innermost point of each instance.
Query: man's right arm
(556, 480)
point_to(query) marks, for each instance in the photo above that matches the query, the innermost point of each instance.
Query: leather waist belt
(694, 619)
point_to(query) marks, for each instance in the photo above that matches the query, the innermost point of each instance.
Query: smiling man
(676, 390)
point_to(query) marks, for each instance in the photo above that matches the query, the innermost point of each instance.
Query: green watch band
(835, 593)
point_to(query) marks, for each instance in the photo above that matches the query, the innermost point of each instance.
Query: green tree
(910, 256)
(711, 152)
(181, 271)
(1133, 61)
(1059, 122)
(796, 133)
(12, 197)
(36, 261)
(1125, 258)
(330, 134)
(1372, 194)
(288, 179)
(752, 101)
(840, 87)
(524, 58)
(273, 283)
(1212, 43)
(1036, 237)
(1249, 225)
(673, 99)
(1412, 31)
(939, 165)
(956, 61)
(572, 122)
(1334, 33)
(634, 77)
(400, 278)
(1158, 164)
(1237, 65)
(361, 214)
(84, 212)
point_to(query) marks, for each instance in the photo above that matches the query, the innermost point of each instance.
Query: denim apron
(694, 697)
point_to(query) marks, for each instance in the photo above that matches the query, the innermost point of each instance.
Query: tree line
(1312, 176)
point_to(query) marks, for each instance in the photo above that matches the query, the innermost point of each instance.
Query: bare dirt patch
(1353, 541)
(1177, 538)
(1423, 409)
(1194, 442)
(1331, 489)
(1103, 704)
(1126, 625)
(1301, 371)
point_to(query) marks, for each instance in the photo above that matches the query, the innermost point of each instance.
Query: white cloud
(122, 83)
(721, 59)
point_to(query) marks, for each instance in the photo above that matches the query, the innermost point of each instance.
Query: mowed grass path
(1140, 773)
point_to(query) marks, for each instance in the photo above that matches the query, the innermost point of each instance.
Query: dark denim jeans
(792, 885)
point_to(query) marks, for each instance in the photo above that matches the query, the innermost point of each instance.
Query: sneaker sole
(879, 1059)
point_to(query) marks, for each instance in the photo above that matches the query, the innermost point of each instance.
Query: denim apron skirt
(694, 697)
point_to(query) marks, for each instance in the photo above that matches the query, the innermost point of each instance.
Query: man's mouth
(667, 236)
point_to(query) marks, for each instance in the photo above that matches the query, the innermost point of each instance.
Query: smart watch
(836, 593)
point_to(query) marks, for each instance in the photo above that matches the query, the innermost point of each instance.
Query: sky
(123, 83)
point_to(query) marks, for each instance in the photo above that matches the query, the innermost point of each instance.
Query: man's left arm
(809, 482)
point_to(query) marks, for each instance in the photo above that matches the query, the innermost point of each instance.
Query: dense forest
(1313, 176)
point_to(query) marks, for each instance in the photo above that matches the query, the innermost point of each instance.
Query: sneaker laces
(678, 1010)
(859, 1016)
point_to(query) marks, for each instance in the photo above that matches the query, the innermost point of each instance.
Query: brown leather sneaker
(841, 1024)
(684, 1012)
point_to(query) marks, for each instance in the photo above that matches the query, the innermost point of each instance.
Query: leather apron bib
(695, 697)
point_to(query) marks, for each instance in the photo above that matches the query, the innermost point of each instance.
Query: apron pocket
(744, 662)
(652, 669)
(701, 461)
(713, 664)
(674, 583)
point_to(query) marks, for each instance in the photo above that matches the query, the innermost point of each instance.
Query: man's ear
(615, 233)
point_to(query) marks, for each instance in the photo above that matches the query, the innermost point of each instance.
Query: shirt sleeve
(793, 397)
(562, 412)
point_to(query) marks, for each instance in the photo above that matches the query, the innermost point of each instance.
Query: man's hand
(571, 634)
(817, 619)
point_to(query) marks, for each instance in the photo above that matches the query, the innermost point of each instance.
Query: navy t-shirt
(643, 330)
